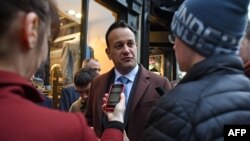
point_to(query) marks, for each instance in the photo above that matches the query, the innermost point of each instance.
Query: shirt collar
(131, 75)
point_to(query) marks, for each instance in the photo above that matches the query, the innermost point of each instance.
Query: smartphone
(114, 96)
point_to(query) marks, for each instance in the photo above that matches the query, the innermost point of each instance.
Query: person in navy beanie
(214, 93)
(211, 27)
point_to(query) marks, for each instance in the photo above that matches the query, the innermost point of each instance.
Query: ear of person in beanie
(211, 27)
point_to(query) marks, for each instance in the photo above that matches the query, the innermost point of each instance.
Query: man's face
(83, 91)
(183, 55)
(122, 49)
(245, 50)
(95, 66)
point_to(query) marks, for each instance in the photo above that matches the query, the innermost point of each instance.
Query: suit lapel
(140, 87)
(100, 93)
(101, 90)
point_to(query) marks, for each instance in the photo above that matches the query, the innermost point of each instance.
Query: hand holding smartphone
(114, 96)
(114, 103)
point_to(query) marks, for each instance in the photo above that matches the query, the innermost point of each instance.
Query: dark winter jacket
(214, 93)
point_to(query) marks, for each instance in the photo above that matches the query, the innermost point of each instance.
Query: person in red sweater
(26, 27)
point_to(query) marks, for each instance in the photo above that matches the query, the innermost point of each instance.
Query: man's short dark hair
(84, 76)
(115, 25)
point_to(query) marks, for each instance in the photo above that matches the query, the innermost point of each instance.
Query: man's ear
(107, 52)
(30, 32)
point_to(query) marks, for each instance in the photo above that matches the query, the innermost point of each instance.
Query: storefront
(82, 35)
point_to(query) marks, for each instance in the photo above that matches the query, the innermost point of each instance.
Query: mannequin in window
(70, 58)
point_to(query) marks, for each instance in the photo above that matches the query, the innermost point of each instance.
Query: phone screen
(114, 95)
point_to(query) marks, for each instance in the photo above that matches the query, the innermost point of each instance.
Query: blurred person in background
(82, 81)
(93, 64)
(69, 92)
(26, 28)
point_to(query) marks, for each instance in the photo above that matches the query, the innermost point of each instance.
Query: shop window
(100, 18)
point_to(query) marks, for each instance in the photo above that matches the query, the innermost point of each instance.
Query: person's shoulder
(69, 87)
(155, 76)
(43, 118)
(177, 102)
(54, 116)
(75, 103)
(75, 106)
(181, 93)
(74, 120)
(152, 76)
(158, 76)
(105, 75)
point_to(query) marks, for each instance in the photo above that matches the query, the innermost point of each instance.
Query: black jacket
(215, 92)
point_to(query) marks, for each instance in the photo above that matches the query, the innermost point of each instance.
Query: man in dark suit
(140, 87)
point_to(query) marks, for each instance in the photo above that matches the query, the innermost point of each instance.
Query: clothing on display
(70, 59)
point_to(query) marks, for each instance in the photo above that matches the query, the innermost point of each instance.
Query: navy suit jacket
(142, 97)
(68, 97)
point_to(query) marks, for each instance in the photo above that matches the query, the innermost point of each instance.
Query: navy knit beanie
(211, 27)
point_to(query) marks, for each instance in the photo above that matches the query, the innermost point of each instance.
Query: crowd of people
(215, 54)
(26, 28)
